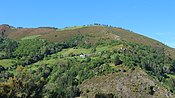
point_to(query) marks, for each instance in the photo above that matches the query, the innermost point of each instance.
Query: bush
(117, 60)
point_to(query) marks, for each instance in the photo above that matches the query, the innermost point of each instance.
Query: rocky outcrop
(130, 84)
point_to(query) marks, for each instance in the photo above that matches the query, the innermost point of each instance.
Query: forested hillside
(48, 62)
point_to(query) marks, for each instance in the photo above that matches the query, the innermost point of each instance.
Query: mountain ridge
(84, 61)
(59, 35)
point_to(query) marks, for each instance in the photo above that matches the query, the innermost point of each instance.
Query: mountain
(98, 32)
(94, 61)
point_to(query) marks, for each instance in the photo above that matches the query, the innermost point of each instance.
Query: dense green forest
(40, 68)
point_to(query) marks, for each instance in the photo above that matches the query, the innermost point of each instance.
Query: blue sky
(153, 18)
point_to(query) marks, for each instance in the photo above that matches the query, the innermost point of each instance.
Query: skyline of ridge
(152, 18)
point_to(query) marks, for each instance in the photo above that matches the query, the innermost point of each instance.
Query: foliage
(8, 47)
(117, 60)
(62, 77)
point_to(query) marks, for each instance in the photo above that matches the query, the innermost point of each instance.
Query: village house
(83, 55)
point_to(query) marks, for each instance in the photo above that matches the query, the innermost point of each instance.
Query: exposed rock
(125, 85)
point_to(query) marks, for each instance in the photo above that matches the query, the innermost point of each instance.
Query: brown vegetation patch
(130, 84)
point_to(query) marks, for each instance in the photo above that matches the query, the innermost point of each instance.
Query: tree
(117, 60)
